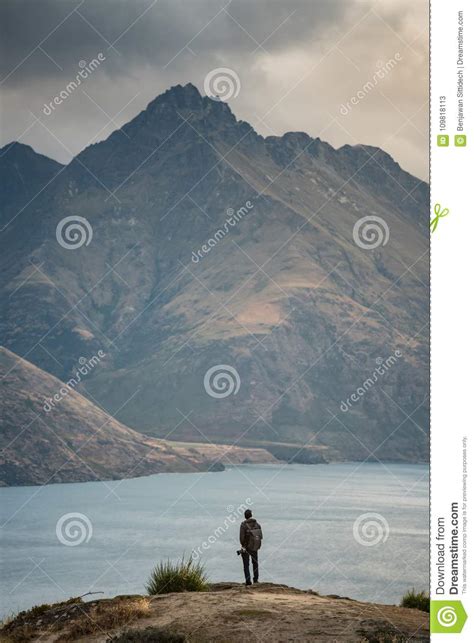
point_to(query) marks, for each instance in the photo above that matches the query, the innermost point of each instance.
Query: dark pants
(246, 556)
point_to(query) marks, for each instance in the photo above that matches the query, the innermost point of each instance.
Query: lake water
(316, 534)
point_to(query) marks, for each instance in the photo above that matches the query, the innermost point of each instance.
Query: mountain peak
(188, 97)
(166, 113)
(25, 173)
(19, 152)
(181, 95)
(16, 146)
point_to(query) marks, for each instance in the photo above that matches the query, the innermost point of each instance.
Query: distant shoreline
(269, 465)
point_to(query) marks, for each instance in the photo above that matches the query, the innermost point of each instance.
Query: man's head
(247, 514)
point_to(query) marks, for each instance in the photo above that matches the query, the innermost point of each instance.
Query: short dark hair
(248, 514)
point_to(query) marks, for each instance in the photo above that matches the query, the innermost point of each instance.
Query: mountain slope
(71, 440)
(24, 174)
(284, 295)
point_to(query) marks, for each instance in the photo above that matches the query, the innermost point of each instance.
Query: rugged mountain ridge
(285, 296)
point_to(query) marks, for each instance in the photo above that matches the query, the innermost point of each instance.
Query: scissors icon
(439, 214)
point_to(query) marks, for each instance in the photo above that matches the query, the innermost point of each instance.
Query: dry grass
(99, 617)
(20, 634)
(20, 627)
(108, 616)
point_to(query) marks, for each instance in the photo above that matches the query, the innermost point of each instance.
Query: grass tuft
(416, 600)
(181, 576)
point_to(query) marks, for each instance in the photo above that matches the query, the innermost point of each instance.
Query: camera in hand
(240, 551)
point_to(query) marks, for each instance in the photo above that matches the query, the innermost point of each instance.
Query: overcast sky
(298, 62)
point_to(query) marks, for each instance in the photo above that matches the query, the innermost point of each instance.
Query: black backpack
(254, 537)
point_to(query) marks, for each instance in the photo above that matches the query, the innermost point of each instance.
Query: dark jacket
(245, 535)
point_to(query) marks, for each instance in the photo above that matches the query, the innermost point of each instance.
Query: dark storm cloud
(68, 31)
(298, 61)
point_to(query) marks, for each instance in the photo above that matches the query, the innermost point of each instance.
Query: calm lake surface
(309, 516)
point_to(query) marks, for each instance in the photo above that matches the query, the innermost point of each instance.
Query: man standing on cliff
(251, 540)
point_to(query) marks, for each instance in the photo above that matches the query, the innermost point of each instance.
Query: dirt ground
(231, 613)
